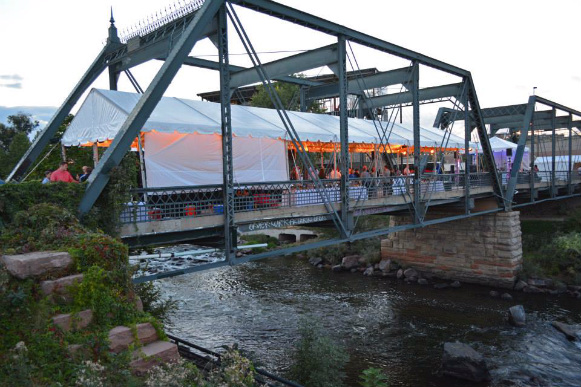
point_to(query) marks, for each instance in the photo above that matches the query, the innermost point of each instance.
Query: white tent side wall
(178, 159)
(545, 165)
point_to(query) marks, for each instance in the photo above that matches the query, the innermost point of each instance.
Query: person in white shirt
(335, 174)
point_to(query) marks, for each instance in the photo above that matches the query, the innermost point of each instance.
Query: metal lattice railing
(153, 204)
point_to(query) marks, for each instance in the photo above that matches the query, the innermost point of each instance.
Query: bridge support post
(484, 249)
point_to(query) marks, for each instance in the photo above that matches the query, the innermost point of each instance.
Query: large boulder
(350, 262)
(463, 362)
(36, 264)
(385, 264)
(571, 332)
(517, 316)
(408, 273)
(60, 286)
(368, 271)
(151, 355)
(520, 285)
(69, 321)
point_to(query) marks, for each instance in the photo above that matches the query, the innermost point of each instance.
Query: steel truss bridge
(183, 213)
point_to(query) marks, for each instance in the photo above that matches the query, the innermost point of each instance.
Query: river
(382, 322)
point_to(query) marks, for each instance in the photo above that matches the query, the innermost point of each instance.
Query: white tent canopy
(104, 111)
(504, 153)
(182, 141)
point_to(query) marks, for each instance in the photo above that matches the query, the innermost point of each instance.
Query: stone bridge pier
(485, 249)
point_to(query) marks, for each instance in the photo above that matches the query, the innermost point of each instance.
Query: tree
(289, 95)
(14, 140)
(17, 123)
(19, 145)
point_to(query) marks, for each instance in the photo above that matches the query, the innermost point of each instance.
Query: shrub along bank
(553, 249)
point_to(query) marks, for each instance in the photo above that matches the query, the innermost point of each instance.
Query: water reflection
(382, 322)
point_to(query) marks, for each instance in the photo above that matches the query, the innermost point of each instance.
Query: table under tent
(181, 141)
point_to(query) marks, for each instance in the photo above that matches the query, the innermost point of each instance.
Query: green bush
(559, 259)
(153, 303)
(373, 377)
(317, 360)
(41, 227)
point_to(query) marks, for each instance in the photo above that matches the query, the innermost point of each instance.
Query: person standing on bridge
(62, 174)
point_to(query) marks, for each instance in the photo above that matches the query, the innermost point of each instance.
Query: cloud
(17, 85)
(14, 77)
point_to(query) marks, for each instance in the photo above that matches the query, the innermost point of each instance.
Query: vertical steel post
(303, 98)
(113, 78)
(553, 151)
(467, 133)
(517, 157)
(570, 167)
(343, 132)
(226, 116)
(532, 161)
(418, 213)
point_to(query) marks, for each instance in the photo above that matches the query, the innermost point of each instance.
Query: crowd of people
(62, 174)
(354, 173)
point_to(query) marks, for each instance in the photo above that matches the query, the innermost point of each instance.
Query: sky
(508, 46)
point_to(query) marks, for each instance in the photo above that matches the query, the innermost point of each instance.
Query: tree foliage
(289, 95)
(317, 360)
(14, 140)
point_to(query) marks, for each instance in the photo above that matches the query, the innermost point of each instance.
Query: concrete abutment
(484, 249)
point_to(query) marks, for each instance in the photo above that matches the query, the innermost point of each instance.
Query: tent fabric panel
(97, 120)
(178, 159)
(186, 116)
(304, 128)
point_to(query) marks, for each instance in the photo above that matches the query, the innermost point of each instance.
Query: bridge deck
(294, 208)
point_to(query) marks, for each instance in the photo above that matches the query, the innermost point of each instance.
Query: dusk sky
(509, 46)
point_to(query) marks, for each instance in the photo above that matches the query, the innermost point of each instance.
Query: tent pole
(95, 154)
(63, 152)
(141, 160)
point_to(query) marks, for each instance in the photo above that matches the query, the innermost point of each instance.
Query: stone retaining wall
(484, 249)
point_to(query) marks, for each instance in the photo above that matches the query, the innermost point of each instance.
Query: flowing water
(382, 323)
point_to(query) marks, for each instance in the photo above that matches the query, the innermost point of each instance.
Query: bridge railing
(153, 204)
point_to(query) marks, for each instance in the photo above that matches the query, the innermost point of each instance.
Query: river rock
(368, 271)
(455, 284)
(349, 262)
(463, 362)
(411, 279)
(399, 274)
(423, 281)
(408, 273)
(385, 264)
(441, 286)
(337, 268)
(315, 261)
(532, 289)
(571, 332)
(517, 316)
(494, 293)
(540, 282)
(520, 285)
(506, 296)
